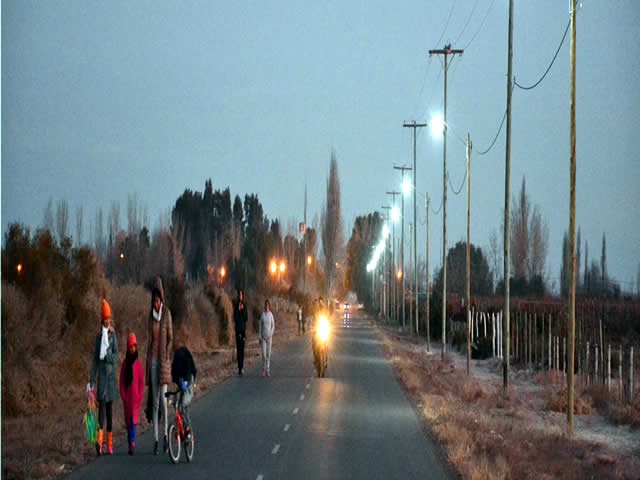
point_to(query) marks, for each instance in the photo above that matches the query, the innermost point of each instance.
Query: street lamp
(309, 260)
(122, 256)
(19, 268)
(273, 267)
(406, 186)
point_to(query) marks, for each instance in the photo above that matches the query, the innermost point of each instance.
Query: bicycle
(178, 433)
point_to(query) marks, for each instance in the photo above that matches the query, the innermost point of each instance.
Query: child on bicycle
(183, 373)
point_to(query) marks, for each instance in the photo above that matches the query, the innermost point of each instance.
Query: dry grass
(488, 433)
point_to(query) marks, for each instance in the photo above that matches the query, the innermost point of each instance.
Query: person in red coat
(131, 388)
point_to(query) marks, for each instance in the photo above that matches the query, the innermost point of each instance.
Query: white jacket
(267, 325)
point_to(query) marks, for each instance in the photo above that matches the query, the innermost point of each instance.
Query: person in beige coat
(159, 351)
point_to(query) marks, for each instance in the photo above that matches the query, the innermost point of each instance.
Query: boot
(165, 445)
(99, 443)
(110, 443)
(155, 448)
(132, 447)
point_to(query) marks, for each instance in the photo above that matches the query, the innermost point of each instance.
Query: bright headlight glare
(323, 328)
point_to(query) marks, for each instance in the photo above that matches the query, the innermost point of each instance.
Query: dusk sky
(104, 99)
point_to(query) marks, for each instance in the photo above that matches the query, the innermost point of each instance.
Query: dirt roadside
(487, 434)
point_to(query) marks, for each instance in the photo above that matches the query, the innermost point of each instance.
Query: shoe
(239, 373)
(165, 445)
(132, 447)
(268, 374)
(264, 372)
(98, 449)
(155, 448)
(110, 443)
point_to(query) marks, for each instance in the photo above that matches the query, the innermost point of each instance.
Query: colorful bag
(90, 419)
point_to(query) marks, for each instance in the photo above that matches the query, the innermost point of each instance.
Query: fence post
(586, 364)
(621, 392)
(630, 393)
(535, 342)
(564, 355)
(609, 368)
(595, 376)
(550, 358)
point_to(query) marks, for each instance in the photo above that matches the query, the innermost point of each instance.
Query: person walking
(300, 325)
(240, 318)
(131, 389)
(266, 335)
(105, 356)
(158, 367)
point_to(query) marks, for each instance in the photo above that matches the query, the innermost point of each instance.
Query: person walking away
(105, 356)
(183, 373)
(240, 318)
(266, 335)
(158, 367)
(300, 327)
(131, 389)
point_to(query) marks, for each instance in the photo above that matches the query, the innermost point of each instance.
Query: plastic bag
(90, 419)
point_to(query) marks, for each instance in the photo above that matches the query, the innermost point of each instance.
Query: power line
(550, 65)
(461, 186)
(481, 25)
(484, 152)
(468, 20)
(447, 24)
(436, 212)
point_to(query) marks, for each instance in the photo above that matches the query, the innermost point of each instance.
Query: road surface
(356, 423)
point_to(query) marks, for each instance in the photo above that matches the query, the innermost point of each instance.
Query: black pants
(240, 341)
(101, 409)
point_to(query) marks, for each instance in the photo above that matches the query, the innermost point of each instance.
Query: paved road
(356, 423)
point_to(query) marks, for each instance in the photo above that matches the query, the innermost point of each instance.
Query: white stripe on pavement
(295, 411)
(275, 449)
(259, 477)
(286, 427)
(302, 397)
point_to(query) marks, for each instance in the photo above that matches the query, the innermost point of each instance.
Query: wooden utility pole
(468, 302)
(386, 296)
(427, 252)
(393, 258)
(403, 168)
(411, 247)
(572, 220)
(507, 194)
(446, 51)
(415, 125)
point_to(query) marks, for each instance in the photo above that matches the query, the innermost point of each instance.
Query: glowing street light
(19, 268)
(223, 272)
(395, 214)
(309, 260)
(406, 186)
(399, 274)
(122, 256)
(437, 125)
(282, 267)
(274, 267)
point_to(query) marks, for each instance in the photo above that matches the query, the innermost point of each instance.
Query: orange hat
(106, 310)
(131, 340)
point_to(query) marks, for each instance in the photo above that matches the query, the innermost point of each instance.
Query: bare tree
(133, 220)
(494, 255)
(62, 219)
(578, 255)
(603, 263)
(47, 221)
(100, 241)
(539, 238)
(113, 222)
(638, 282)
(520, 212)
(331, 221)
(79, 225)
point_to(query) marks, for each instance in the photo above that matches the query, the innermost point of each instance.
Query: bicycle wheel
(189, 446)
(174, 444)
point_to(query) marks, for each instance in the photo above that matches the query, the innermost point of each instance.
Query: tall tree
(332, 234)
(62, 220)
(79, 225)
(100, 240)
(539, 241)
(564, 269)
(586, 284)
(578, 254)
(520, 212)
(47, 222)
(603, 264)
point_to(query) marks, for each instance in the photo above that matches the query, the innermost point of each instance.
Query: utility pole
(393, 259)
(427, 321)
(304, 244)
(572, 221)
(403, 168)
(507, 195)
(468, 302)
(415, 125)
(410, 268)
(386, 263)
(446, 51)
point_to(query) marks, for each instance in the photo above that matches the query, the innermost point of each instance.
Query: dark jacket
(240, 318)
(183, 367)
(104, 369)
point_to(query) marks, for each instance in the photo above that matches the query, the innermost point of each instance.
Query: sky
(101, 100)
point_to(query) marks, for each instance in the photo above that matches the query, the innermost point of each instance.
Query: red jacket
(132, 395)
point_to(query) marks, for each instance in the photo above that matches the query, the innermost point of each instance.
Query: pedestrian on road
(240, 318)
(131, 389)
(300, 325)
(158, 368)
(266, 335)
(105, 356)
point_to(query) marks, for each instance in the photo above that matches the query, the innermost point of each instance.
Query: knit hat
(106, 310)
(131, 340)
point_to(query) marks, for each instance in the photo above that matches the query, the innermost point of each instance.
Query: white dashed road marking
(302, 397)
(286, 427)
(275, 449)
(308, 386)
(259, 477)
(295, 411)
